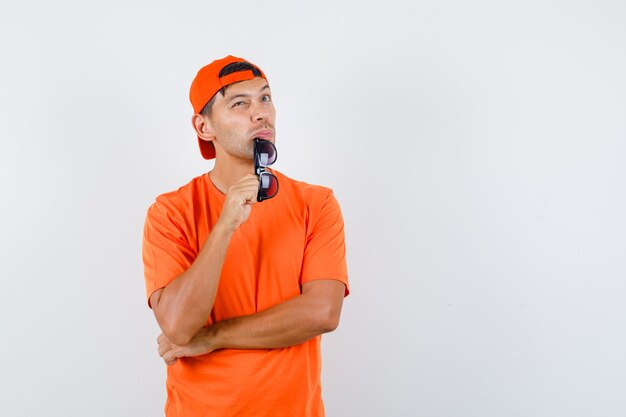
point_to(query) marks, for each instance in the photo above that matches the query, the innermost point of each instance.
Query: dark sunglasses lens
(268, 186)
(266, 152)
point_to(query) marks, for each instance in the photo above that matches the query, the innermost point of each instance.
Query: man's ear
(203, 127)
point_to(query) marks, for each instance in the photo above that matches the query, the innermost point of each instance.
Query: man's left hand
(200, 344)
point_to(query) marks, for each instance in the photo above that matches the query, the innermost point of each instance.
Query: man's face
(245, 111)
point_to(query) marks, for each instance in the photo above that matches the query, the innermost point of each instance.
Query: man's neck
(227, 173)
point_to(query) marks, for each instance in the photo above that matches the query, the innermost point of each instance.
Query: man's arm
(182, 307)
(314, 312)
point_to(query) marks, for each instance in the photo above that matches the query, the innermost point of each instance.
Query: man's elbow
(331, 324)
(178, 339)
(327, 319)
(176, 334)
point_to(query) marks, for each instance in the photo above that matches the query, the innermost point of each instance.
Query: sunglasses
(265, 155)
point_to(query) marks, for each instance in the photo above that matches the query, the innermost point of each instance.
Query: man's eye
(266, 98)
(239, 103)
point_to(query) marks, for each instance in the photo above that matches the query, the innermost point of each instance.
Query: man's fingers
(251, 196)
(162, 349)
(239, 198)
(170, 360)
(171, 356)
(244, 195)
(164, 345)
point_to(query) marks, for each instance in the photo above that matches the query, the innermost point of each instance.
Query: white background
(476, 149)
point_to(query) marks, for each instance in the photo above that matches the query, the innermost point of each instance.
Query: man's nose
(259, 112)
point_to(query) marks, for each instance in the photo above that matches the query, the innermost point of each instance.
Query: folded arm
(312, 313)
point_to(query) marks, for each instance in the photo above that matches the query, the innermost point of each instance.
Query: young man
(242, 290)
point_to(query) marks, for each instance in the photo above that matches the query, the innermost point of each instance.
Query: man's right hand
(238, 204)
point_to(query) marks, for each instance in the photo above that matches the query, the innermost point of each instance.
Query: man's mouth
(264, 134)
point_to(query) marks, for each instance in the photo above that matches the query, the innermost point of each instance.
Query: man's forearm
(292, 322)
(184, 305)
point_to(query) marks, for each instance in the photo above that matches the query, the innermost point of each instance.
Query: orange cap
(207, 83)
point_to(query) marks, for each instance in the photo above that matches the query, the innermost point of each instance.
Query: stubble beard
(239, 148)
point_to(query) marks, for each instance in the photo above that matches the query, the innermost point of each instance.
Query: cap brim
(207, 149)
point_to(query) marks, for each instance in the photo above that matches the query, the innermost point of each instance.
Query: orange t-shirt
(288, 240)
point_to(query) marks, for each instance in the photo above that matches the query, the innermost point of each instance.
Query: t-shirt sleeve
(165, 250)
(325, 251)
